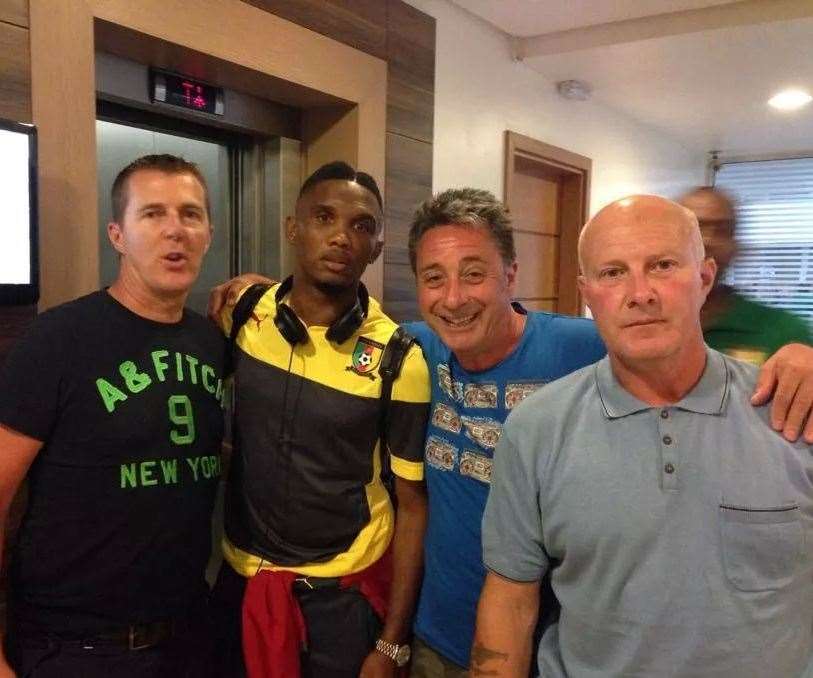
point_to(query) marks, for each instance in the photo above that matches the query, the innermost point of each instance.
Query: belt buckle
(307, 583)
(133, 642)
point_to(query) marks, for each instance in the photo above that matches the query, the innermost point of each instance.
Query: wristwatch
(398, 653)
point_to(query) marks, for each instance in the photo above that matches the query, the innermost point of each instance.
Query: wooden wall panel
(64, 80)
(400, 292)
(409, 183)
(14, 12)
(15, 73)
(410, 109)
(358, 23)
(410, 129)
(411, 71)
(411, 44)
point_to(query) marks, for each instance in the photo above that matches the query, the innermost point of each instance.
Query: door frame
(574, 205)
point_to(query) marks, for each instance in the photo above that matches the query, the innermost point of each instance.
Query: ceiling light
(573, 89)
(790, 99)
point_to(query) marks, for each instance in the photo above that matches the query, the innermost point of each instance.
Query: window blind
(774, 200)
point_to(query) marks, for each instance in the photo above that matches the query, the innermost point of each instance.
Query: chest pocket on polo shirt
(762, 546)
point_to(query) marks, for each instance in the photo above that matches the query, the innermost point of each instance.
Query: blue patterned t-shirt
(467, 413)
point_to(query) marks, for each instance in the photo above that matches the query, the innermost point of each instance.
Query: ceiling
(700, 71)
(526, 18)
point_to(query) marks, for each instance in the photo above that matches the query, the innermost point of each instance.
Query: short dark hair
(339, 170)
(466, 207)
(163, 162)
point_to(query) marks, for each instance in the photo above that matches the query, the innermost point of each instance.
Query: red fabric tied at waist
(273, 626)
(274, 630)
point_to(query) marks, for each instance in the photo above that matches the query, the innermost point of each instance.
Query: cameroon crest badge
(366, 356)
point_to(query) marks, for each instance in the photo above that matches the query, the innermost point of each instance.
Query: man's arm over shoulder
(223, 297)
(787, 379)
(223, 315)
(261, 297)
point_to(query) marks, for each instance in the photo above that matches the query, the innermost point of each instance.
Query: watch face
(402, 656)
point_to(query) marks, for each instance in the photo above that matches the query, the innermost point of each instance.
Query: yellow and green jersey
(305, 492)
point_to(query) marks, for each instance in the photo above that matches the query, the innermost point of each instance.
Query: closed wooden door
(535, 215)
(546, 192)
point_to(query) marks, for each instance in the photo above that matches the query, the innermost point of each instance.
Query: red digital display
(179, 90)
(193, 95)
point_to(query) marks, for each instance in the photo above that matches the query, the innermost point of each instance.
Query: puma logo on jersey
(257, 319)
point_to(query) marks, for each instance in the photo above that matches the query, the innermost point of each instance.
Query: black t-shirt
(117, 526)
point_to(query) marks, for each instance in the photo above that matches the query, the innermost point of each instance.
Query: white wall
(480, 92)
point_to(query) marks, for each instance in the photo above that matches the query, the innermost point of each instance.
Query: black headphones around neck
(295, 332)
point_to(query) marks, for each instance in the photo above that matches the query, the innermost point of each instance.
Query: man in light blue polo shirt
(671, 516)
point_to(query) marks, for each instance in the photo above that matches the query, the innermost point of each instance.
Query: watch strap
(393, 651)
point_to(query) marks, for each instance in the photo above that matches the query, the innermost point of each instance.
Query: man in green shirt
(733, 324)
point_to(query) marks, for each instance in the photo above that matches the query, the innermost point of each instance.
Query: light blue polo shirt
(680, 538)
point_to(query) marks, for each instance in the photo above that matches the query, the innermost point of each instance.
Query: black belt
(311, 583)
(136, 636)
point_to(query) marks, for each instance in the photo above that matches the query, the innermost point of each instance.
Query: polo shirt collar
(707, 397)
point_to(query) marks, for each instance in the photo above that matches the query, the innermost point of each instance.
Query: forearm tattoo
(482, 655)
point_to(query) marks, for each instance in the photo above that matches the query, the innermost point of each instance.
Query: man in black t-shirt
(111, 405)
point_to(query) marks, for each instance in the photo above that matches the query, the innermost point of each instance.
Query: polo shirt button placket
(669, 478)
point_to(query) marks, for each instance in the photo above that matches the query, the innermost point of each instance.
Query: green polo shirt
(750, 331)
(675, 536)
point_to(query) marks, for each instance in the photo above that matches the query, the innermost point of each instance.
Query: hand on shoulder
(226, 295)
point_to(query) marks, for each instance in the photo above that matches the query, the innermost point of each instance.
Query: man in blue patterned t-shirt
(485, 355)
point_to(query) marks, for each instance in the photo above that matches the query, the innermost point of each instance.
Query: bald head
(639, 213)
(645, 278)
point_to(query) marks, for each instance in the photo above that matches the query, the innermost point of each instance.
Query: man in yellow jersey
(320, 573)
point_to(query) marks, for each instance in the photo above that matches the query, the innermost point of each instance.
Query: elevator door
(118, 145)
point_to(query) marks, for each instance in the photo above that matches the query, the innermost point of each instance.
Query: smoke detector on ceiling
(573, 89)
